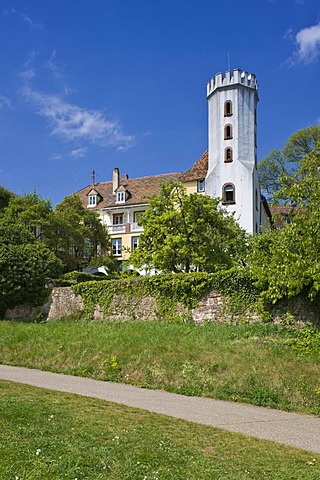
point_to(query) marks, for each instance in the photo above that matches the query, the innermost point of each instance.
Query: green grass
(262, 364)
(55, 436)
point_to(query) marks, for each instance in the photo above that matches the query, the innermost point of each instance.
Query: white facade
(232, 145)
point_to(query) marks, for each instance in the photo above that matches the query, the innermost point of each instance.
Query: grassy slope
(260, 364)
(55, 436)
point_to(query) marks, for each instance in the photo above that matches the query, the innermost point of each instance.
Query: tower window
(228, 108)
(228, 132)
(228, 155)
(228, 193)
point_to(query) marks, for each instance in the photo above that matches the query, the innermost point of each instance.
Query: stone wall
(64, 303)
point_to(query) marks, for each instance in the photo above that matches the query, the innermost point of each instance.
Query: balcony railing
(125, 228)
(116, 228)
(135, 227)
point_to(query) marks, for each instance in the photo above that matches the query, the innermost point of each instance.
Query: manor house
(228, 169)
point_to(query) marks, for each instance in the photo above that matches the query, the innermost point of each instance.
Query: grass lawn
(54, 436)
(262, 364)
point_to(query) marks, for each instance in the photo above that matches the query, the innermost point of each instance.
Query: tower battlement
(237, 76)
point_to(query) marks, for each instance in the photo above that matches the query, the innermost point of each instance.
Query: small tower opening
(228, 132)
(228, 155)
(228, 193)
(228, 108)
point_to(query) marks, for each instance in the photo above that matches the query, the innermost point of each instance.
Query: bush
(169, 289)
(24, 272)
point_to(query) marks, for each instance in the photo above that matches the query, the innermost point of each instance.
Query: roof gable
(198, 170)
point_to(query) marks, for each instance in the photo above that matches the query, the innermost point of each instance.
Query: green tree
(26, 264)
(24, 272)
(280, 164)
(5, 197)
(75, 234)
(184, 233)
(286, 262)
(78, 237)
(30, 211)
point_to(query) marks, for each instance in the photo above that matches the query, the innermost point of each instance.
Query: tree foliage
(73, 233)
(36, 243)
(286, 162)
(5, 197)
(184, 233)
(24, 271)
(286, 262)
(78, 234)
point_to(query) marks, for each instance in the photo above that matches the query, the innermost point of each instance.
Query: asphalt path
(294, 429)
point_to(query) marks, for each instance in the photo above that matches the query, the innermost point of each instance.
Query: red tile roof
(198, 170)
(140, 190)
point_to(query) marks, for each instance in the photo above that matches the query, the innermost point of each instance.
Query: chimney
(124, 177)
(115, 179)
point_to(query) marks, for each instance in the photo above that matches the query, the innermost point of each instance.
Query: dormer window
(121, 197)
(92, 201)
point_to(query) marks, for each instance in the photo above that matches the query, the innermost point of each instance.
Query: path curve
(294, 429)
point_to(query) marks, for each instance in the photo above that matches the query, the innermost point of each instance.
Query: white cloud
(56, 68)
(5, 101)
(23, 16)
(78, 152)
(31, 57)
(308, 45)
(75, 123)
(53, 65)
(28, 74)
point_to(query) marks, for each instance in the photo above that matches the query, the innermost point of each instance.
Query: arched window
(228, 193)
(228, 132)
(227, 108)
(228, 155)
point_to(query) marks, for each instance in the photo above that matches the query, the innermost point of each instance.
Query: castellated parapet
(238, 76)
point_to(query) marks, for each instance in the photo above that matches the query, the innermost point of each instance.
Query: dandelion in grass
(38, 451)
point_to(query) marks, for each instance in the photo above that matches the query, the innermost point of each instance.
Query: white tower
(232, 169)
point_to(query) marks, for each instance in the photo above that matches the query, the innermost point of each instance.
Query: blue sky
(96, 84)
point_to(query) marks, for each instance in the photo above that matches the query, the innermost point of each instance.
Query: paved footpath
(297, 430)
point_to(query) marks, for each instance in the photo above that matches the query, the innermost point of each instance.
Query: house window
(116, 246)
(117, 219)
(92, 200)
(228, 132)
(228, 193)
(121, 197)
(228, 155)
(137, 216)
(134, 243)
(201, 185)
(228, 108)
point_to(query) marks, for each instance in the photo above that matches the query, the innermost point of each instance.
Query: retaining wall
(64, 303)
